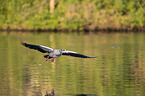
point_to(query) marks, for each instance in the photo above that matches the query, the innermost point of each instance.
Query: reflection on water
(118, 70)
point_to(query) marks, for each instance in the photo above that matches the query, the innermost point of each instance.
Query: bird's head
(64, 50)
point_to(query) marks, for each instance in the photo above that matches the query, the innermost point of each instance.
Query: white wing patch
(69, 52)
(46, 48)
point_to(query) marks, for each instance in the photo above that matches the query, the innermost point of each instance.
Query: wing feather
(75, 54)
(40, 48)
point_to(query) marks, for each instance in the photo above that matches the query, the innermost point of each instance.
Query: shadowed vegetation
(72, 14)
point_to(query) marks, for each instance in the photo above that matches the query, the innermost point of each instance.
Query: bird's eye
(63, 49)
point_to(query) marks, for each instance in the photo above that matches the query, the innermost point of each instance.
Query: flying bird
(54, 53)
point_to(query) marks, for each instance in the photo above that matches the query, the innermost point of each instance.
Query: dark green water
(118, 70)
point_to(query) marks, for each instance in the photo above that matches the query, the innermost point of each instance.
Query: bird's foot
(52, 60)
(47, 58)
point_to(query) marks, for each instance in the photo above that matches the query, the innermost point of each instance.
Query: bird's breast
(57, 52)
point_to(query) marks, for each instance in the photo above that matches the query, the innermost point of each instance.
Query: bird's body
(54, 53)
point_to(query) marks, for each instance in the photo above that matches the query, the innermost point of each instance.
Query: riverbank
(135, 29)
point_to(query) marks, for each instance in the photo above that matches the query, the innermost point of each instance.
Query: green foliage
(72, 14)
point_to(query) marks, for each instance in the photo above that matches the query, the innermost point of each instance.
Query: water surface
(118, 70)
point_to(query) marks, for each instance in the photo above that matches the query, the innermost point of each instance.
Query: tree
(52, 5)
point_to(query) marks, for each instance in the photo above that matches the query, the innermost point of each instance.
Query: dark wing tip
(92, 57)
(25, 44)
(82, 56)
(87, 57)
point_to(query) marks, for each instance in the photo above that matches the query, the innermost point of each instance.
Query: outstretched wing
(40, 48)
(75, 54)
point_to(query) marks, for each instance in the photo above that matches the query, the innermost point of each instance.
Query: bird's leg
(52, 93)
(52, 60)
(47, 58)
